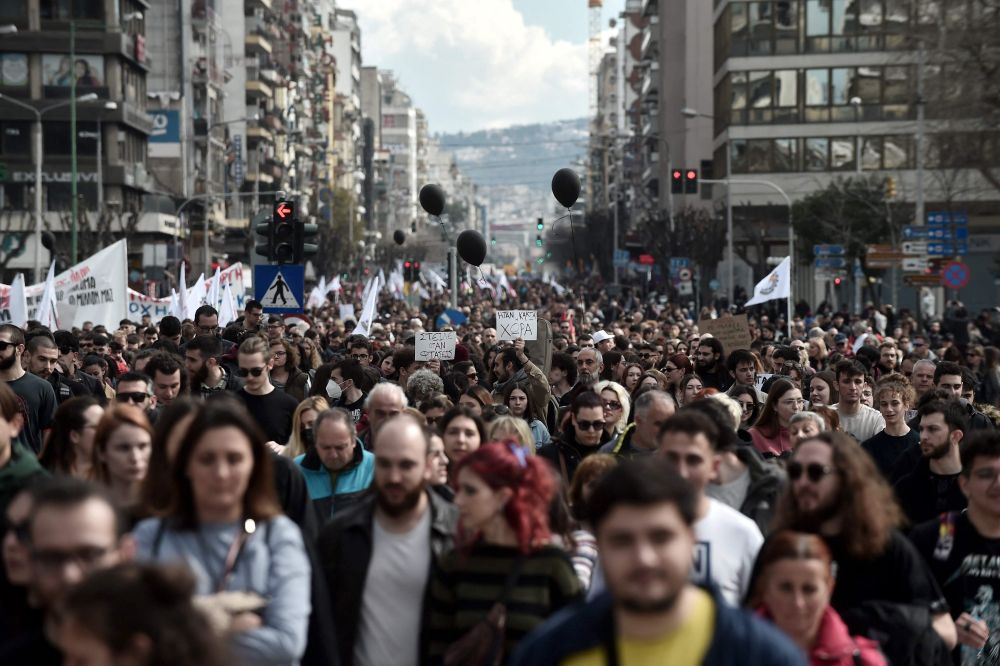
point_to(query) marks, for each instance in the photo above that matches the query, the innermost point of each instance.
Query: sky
(478, 64)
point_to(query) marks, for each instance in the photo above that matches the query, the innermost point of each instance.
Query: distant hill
(513, 166)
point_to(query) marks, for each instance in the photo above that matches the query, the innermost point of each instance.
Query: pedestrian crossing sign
(280, 289)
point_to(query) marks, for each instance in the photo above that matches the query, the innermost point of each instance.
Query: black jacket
(565, 454)
(345, 550)
(767, 482)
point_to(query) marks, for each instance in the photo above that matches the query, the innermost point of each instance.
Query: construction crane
(594, 51)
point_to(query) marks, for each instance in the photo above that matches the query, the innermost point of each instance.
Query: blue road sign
(829, 250)
(911, 233)
(830, 262)
(947, 249)
(942, 218)
(280, 289)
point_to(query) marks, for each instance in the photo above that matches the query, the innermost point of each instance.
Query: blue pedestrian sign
(280, 289)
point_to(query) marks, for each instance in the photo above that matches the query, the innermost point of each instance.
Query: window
(871, 153)
(15, 138)
(786, 27)
(786, 155)
(761, 29)
(56, 139)
(842, 154)
(759, 156)
(738, 28)
(64, 10)
(739, 155)
(58, 196)
(816, 154)
(14, 11)
(12, 195)
(13, 69)
(786, 87)
(895, 152)
(817, 87)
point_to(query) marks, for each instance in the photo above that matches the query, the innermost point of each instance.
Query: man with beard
(41, 358)
(580, 437)
(512, 366)
(589, 366)
(709, 363)
(836, 491)
(642, 514)
(37, 394)
(955, 545)
(69, 369)
(377, 555)
(208, 377)
(932, 487)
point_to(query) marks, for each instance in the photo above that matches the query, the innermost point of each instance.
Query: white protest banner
(15, 302)
(93, 290)
(436, 345)
(140, 305)
(513, 324)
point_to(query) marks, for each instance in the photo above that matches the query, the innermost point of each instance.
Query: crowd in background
(626, 490)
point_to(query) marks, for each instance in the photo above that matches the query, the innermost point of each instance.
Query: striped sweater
(465, 585)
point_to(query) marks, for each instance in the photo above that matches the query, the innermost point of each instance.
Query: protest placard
(436, 345)
(513, 324)
(733, 332)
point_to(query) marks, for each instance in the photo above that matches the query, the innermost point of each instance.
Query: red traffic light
(406, 264)
(416, 264)
(677, 175)
(837, 281)
(691, 175)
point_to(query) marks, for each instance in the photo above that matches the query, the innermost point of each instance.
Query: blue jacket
(352, 481)
(738, 638)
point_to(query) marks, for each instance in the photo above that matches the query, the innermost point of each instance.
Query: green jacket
(21, 471)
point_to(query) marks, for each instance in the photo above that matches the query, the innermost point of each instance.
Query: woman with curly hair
(502, 496)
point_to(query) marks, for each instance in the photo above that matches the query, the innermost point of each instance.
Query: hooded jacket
(333, 491)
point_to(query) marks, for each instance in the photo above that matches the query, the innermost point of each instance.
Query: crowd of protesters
(629, 491)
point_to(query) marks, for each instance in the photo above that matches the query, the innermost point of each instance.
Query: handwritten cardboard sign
(513, 324)
(435, 345)
(733, 332)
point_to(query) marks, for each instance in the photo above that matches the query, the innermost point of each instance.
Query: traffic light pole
(453, 276)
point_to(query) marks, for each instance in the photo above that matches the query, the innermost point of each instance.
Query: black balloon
(471, 247)
(399, 236)
(432, 199)
(566, 187)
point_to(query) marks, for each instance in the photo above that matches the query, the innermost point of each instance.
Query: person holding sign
(512, 366)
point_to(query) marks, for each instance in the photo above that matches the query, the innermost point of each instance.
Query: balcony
(256, 89)
(651, 78)
(258, 4)
(259, 134)
(257, 44)
(649, 46)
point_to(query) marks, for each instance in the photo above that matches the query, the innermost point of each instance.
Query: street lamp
(688, 112)
(38, 167)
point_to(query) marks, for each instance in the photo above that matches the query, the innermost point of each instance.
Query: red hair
(507, 465)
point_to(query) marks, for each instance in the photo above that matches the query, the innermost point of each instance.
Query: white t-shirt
(725, 549)
(864, 425)
(393, 599)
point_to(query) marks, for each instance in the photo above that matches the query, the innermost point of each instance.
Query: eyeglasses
(813, 471)
(136, 397)
(670, 368)
(56, 560)
(919, 344)
(359, 357)
(256, 372)
(207, 330)
(472, 375)
(646, 355)
(4, 344)
(747, 406)
(279, 353)
(591, 425)
(431, 420)
(612, 405)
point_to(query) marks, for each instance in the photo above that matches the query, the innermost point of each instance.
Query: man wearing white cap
(604, 341)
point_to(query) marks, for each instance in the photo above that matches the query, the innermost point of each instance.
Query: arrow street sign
(941, 218)
(283, 209)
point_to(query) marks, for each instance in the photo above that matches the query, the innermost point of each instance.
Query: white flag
(17, 302)
(334, 285)
(777, 284)
(196, 296)
(227, 310)
(560, 290)
(182, 294)
(175, 304)
(213, 289)
(47, 306)
(367, 314)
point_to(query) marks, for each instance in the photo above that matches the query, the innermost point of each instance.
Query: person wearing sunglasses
(582, 435)
(272, 409)
(136, 388)
(835, 490)
(617, 408)
(38, 396)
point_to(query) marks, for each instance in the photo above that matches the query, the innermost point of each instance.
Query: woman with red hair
(504, 556)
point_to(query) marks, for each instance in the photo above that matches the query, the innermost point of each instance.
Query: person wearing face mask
(344, 388)
(302, 438)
